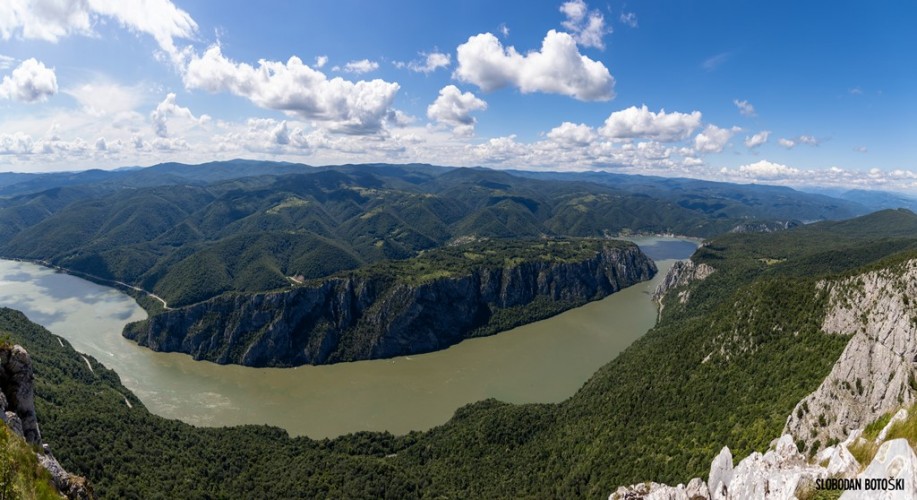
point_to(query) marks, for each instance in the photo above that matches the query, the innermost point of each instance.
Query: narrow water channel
(546, 361)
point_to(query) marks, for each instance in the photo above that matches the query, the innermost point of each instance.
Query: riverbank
(546, 361)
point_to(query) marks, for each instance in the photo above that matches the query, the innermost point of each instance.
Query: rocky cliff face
(352, 318)
(875, 375)
(680, 275)
(17, 410)
(876, 371)
(765, 227)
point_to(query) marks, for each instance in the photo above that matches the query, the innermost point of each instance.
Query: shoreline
(136, 293)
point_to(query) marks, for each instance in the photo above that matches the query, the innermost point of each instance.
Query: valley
(433, 259)
(751, 327)
(449, 250)
(542, 362)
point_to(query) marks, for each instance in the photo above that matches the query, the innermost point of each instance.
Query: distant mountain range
(873, 200)
(191, 232)
(737, 350)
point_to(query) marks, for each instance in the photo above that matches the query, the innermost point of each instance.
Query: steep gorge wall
(353, 318)
(875, 375)
(17, 411)
(876, 372)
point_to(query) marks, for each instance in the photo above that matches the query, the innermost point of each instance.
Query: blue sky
(797, 93)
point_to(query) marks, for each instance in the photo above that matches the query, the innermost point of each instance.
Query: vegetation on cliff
(191, 233)
(725, 368)
(21, 476)
(399, 307)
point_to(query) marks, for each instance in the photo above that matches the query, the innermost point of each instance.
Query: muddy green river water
(546, 361)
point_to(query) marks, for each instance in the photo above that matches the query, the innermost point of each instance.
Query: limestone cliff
(874, 376)
(875, 373)
(765, 227)
(782, 473)
(17, 410)
(681, 274)
(355, 317)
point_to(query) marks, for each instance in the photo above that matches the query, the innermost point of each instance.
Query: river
(546, 361)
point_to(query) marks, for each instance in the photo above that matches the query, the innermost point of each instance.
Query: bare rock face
(876, 372)
(17, 410)
(650, 491)
(18, 385)
(895, 460)
(13, 422)
(779, 473)
(680, 275)
(353, 318)
(720, 473)
(697, 490)
(783, 473)
(842, 463)
(765, 227)
(73, 486)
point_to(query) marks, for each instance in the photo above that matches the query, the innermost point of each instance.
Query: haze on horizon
(778, 93)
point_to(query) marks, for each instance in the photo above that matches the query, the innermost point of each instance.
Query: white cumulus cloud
(767, 170)
(635, 122)
(361, 66)
(569, 134)
(15, 144)
(713, 139)
(758, 139)
(588, 27)
(168, 108)
(454, 108)
(558, 68)
(31, 81)
(51, 20)
(350, 107)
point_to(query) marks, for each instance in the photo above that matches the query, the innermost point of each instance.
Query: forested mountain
(188, 233)
(726, 364)
(400, 307)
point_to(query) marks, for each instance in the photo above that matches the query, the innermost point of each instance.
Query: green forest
(725, 368)
(189, 233)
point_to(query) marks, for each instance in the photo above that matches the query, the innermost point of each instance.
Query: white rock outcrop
(842, 463)
(779, 473)
(720, 473)
(696, 490)
(680, 275)
(895, 460)
(875, 373)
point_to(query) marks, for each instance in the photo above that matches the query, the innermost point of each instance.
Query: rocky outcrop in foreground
(784, 473)
(353, 317)
(17, 410)
(874, 376)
